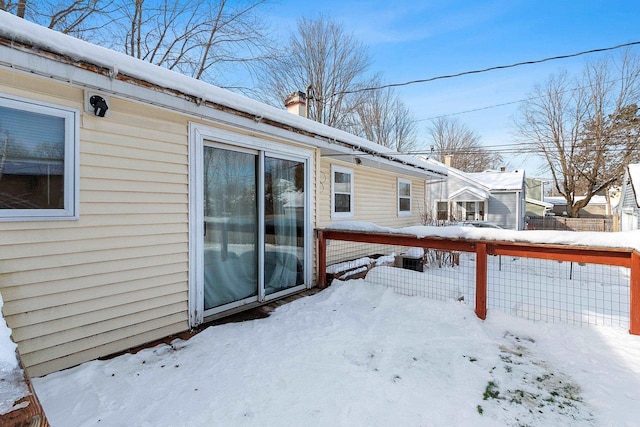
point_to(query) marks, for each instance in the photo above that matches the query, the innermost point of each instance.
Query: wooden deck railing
(583, 254)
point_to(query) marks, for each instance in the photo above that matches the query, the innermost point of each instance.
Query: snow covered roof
(19, 31)
(469, 194)
(559, 200)
(595, 200)
(500, 180)
(556, 200)
(491, 180)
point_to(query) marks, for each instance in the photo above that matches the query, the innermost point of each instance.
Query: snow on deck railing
(579, 278)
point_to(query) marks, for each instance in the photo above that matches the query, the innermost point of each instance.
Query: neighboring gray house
(493, 196)
(629, 206)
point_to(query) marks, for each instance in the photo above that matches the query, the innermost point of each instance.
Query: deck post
(481, 280)
(634, 302)
(322, 260)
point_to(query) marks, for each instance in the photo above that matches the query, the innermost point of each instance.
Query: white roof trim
(479, 195)
(455, 172)
(18, 30)
(539, 203)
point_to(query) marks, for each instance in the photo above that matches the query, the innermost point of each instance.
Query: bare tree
(210, 40)
(204, 39)
(75, 17)
(383, 118)
(587, 128)
(323, 56)
(450, 137)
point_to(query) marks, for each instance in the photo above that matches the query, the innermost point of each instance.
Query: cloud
(377, 22)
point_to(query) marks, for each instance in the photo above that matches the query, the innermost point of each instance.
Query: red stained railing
(583, 254)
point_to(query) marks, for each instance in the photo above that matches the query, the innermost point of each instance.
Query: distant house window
(470, 213)
(404, 197)
(443, 211)
(342, 200)
(458, 211)
(38, 160)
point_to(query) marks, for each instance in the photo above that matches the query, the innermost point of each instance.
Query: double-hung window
(341, 192)
(404, 197)
(38, 160)
(470, 214)
(442, 211)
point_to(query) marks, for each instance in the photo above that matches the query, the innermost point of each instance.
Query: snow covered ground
(366, 353)
(360, 354)
(12, 385)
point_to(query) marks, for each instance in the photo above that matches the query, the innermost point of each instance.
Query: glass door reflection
(284, 208)
(230, 226)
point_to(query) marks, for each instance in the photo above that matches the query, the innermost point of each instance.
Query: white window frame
(448, 209)
(410, 183)
(71, 116)
(342, 215)
(459, 210)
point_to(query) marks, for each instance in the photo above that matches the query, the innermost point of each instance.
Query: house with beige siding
(136, 203)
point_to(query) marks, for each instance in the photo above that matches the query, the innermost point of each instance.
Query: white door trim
(198, 134)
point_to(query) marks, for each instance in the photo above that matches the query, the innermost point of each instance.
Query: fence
(570, 224)
(556, 283)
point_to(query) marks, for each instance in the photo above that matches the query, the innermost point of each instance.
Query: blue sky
(410, 40)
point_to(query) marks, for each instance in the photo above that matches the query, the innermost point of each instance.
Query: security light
(99, 105)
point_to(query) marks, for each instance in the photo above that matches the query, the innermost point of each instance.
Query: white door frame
(198, 134)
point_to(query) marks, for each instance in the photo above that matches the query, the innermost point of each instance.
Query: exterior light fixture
(99, 105)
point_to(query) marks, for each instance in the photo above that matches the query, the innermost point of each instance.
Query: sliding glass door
(253, 243)
(284, 212)
(230, 226)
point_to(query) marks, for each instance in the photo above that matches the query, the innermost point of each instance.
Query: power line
(488, 107)
(522, 147)
(484, 70)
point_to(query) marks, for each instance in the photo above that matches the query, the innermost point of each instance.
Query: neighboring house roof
(595, 200)
(451, 171)
(499, 180)
(488, 180)
(469, 194)
(539, 203)
(555, 200)
(22, 35)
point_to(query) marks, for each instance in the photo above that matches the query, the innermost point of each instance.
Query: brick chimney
(296, 103)
(447, 159)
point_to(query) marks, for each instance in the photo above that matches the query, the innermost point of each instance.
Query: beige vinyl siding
(376, 200)
(375, 194)
(117, 277)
